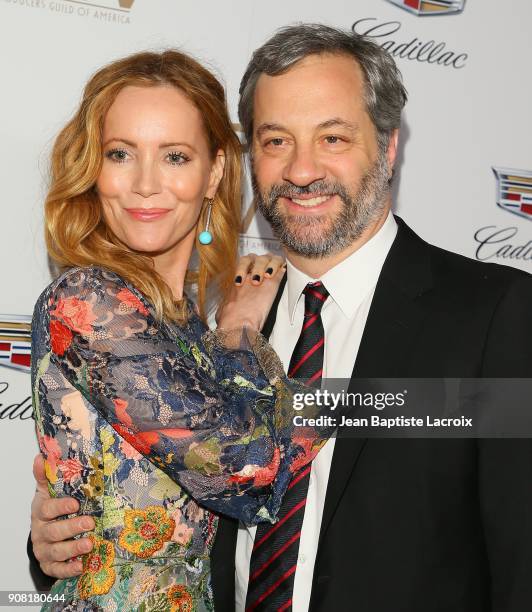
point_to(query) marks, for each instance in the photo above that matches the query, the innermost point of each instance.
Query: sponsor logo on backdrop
(112, 11)
(514, 191)
(514, 195)
(430, 7)
(15, 352)
(413, 49)
(14, 410)
(15, 341)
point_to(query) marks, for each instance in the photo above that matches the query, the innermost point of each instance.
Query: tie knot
(315, 296)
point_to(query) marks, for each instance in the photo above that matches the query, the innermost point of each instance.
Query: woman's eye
(177, 158)
(117, 155)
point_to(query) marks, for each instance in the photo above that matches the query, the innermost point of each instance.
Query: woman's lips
(147, 214)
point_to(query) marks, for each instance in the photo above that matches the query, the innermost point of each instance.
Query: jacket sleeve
(505, 465)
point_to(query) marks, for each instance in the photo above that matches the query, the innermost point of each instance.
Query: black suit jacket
(426, 525)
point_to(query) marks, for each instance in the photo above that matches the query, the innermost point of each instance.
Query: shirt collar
(350, 281)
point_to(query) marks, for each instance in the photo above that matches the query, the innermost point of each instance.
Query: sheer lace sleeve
(206, 413)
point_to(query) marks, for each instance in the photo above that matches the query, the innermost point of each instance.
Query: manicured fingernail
(256, 277)
(269, 271)
(238, 279)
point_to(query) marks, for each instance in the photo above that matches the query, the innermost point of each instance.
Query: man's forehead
(320, 91)
(319, 66)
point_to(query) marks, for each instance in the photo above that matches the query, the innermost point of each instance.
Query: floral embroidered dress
(151, 426)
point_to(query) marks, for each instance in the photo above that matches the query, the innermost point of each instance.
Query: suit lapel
(394, 321)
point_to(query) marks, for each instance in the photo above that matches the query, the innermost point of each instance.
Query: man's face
(320, 178)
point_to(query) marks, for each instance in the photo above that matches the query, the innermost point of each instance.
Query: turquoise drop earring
(206, 237)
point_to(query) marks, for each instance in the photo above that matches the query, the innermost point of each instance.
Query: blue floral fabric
(154, 426)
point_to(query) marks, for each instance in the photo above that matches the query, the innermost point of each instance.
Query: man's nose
(147, 180)
(303, 167)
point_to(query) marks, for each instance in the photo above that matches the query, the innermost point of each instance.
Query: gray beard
(314, 237)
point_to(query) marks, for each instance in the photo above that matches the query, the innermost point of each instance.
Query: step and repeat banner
(464, 177)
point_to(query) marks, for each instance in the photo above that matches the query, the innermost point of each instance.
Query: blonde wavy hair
(75, 231)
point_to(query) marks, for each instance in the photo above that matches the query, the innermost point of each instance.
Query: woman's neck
(172, 265)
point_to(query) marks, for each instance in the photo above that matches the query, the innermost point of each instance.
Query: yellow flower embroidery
(98, 574)
(146, 530)
(94, 486)
(180, 599)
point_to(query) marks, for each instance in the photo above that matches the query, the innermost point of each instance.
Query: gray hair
(385, 94)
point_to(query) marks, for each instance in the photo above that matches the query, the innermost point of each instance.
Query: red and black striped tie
(274, 557)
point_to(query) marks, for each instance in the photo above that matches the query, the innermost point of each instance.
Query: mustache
(323, 188)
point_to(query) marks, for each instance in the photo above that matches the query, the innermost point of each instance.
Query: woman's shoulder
(90, 277)
(91, 282)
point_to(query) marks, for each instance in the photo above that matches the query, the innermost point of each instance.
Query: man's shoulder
(471, 269)
(452, 269)
(467, 276)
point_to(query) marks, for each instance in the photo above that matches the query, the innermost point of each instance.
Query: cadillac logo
(15, 341)
(431, 7)
(514, 191)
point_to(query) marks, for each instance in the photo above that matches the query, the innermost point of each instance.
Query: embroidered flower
(98, 574)
(261, 476)
(94, 485)
(76, 314)
(309, 449)
(71, 469)
(182, 532)
(50, 449)
(142, 441)
(129, 451)
(120, 407)
(60, 337)
(130, 301)
(265, 475)
(180, 598)
(146, 530)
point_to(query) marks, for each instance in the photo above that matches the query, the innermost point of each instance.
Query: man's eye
(117, 155)
(332, 139)
(276, 142)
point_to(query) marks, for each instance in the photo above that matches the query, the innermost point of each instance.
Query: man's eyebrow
(329, 123)
(338, 122)
(269, 127)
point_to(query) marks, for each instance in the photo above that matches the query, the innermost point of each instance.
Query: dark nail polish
(256, 277)
(238, 279)
(269, 271)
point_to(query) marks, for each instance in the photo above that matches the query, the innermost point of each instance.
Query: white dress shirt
(351, 285)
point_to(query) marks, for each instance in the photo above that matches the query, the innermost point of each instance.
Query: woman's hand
(251, 299)
(257, 267)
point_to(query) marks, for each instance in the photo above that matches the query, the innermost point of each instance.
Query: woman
(141, 411)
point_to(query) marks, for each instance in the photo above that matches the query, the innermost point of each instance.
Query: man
(376, 525)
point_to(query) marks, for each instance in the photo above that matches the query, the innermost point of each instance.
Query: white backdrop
(469, 112)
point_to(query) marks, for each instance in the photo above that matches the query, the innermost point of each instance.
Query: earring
(206, 237)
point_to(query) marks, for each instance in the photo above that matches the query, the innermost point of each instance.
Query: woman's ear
(217, 172)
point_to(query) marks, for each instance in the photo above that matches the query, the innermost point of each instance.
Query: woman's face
(157, 169)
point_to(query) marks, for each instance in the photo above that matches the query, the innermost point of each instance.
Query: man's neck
(317, 267)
